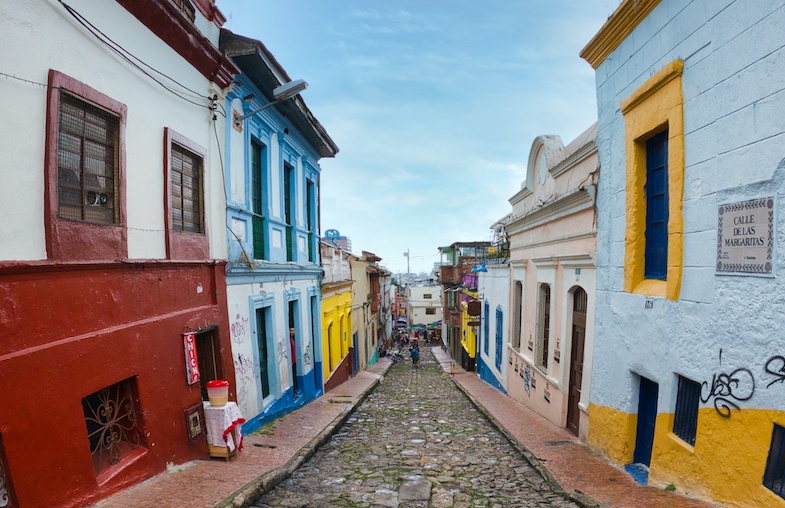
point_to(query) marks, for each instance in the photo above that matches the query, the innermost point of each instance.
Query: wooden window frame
(183, 245)
(68, 240)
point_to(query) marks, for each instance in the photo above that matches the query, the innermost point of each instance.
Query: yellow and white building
(688, 379)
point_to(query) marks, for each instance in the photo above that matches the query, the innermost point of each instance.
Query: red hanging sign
(191, 362)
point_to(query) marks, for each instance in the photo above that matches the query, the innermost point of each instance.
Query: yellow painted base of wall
(725, 466)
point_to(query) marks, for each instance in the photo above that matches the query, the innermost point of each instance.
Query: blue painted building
(271, 181)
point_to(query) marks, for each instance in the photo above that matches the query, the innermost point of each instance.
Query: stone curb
(575, 496)
(247, 495)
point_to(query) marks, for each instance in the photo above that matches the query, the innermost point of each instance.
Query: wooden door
(580, 303)
(647, 418)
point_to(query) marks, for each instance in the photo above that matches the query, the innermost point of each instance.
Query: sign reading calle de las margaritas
(745, 237)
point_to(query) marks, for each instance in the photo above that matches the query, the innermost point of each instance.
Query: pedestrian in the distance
(415, 354)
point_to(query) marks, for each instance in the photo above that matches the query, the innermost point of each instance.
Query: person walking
(415, 353)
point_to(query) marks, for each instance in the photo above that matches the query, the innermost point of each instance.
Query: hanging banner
(191, 361)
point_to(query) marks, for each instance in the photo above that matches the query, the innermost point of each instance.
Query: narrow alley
(416, 441)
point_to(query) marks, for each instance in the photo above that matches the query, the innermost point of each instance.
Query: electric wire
(123, 53)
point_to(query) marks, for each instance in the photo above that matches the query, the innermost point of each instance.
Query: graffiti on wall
(307, 355)
(527, 375)
(243, 370)
(728, 389)
(776, 367)
(239, 328)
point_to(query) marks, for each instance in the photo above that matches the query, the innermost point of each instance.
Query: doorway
(579, 306)
(209, 358)
(647, 418)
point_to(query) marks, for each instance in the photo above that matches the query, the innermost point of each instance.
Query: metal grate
(186, 191)
(6, 490)
(87, 156)
(544, 325)
(774, 477)
(113, 429)
(685, 421)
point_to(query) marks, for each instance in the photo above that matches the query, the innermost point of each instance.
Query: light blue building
(271, 179)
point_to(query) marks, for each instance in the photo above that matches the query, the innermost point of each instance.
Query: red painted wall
(70, 330)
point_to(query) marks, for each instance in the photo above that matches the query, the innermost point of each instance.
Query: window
(258, 156)
(685, 420)
(113, 423)
(186, 189)
(87, 162)
(543, 326)
(427, 296)
(288, 209)
(430, 310)
(499, 318)
(654, 142)
(310, 217)
(84, 164)
(187, 8)
(656, 191)
(185, 219)
(516, 317)
(774, 477)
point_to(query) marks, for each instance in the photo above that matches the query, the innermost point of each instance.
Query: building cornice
(577, 200)
(519, 196)
(574, 158)
(619, 25)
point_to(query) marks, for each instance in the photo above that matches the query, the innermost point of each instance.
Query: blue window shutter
(486, 327)
(656, 190)
(499, 317)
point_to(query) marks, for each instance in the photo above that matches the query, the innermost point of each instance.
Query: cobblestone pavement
(416, 441)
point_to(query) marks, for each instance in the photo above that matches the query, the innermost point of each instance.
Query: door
(580, 301)
(355, 356)
(209, 359)
(261, 337)
(647, 417)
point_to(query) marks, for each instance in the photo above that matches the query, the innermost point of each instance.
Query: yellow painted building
(688, 376)
(336, 327)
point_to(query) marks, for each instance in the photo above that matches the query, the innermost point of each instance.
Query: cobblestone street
(416, 441)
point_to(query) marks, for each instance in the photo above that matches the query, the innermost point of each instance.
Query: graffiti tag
(527, 376)
(776, 367)
(307, 355)
(739, 386)
(239, 328)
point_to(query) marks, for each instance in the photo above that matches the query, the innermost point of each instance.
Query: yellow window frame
(657, 105)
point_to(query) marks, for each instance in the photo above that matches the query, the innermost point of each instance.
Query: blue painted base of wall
(640, 472)
(487, 375)
(287, 402)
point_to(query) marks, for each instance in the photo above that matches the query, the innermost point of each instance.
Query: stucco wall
(494, 286)
(734, 60)
(44, 36)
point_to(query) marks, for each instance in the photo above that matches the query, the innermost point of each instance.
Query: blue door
(355, 356)
(647, 417)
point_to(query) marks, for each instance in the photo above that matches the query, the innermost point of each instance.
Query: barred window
(774, 477)
(430, 310)
(113, 426)
(186, 189)
(87, 162)
(685, 421)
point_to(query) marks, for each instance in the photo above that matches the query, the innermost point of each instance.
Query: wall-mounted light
(280, 94)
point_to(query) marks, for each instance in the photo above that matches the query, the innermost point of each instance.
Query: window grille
(685, 421)
(113, 428)
(6, 490)
(774, 477)
(186, 190)
(87, 162)
(430, 310)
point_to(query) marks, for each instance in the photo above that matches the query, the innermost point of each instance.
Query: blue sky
(433, 104)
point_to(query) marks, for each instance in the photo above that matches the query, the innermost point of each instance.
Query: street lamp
(280, 94)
